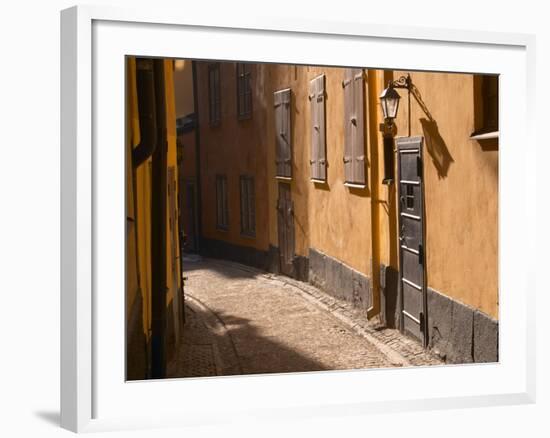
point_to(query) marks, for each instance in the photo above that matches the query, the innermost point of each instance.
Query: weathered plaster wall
(330, 217)
(234, 147)
(461, 190)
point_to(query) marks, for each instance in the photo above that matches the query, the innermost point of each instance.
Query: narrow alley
(240, 320)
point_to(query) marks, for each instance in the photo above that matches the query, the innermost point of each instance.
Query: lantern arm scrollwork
(402, 82)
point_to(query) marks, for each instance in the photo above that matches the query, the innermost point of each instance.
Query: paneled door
(285, 226)
(412, 253)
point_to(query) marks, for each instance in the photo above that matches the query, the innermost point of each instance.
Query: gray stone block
(361, 290)
(347, 283)
(301, 268)
(485, 338)
(317, 268)
(334, 281)
(440, 310)
(462, 334)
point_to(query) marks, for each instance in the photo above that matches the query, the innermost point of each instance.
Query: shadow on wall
(436, 147)
(435, 144)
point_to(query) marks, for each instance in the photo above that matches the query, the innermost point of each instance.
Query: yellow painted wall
(461, 190)
(234, 148)
(359, 226)
(138, 207)
(331, 217)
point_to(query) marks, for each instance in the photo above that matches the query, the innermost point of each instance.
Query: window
(490, 102)
(409, 197)
(248, 206)
(486, 105)
(354, 126)
(283, 139)
(222, 212)
(318, 159)
(214, 94)
(244, 91)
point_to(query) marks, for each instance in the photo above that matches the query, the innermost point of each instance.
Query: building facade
(154, 312)
(298, 172)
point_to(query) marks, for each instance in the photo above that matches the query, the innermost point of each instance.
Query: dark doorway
(285, 226)
(412, 257)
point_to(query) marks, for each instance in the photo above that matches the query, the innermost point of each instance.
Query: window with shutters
(244, 90)
(354, 126)
(489, 89)
(214, 94)
(283, 133)
(318, 159)
(222, 210)
(486, 106)
(248, 206)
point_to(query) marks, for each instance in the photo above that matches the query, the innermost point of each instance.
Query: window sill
(284, 178)
(224, 230)
(355, 186)
(484, 135)
(318, 181)
(248, 235)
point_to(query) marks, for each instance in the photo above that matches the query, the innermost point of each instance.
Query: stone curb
(225, 355)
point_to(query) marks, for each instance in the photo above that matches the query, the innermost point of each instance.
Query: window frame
(243, 75)
(214, 94)
(222, 203)
(248, 205)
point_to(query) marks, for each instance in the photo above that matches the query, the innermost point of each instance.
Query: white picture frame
(94, 41)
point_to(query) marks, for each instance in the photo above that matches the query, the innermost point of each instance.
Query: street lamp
(389, 98)
(390, 103)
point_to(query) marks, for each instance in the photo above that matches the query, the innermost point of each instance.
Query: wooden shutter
(321, 148)
(244, 90)
(218, 202)
(283, 133)
(225, 203)
(314, 130)
(244, 200)
(347, 84)
(318, 134)
(354, 126)
(251, 206)
(358, 127)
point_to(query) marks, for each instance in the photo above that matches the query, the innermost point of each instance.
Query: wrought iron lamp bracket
(402, 82)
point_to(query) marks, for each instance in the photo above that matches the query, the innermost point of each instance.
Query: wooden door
(285, 226)
(412, 253)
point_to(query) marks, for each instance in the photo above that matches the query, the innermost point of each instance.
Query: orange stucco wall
(359, 226)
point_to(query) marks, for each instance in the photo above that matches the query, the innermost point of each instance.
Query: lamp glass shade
(390, 102)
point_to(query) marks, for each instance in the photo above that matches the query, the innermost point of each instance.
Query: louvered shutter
(358, 127)
(283, 132)
(244, 200)
(314, 130)
(347, 84)
(251, 206)
(318, 134)
(321, 148)
(278, 123)
(354, 126)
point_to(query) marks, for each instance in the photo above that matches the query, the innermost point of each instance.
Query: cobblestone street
(240, 320)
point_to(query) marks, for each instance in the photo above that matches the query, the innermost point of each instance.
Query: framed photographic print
(252, 210)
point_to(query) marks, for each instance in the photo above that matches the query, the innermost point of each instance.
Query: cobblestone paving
(240, 320)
